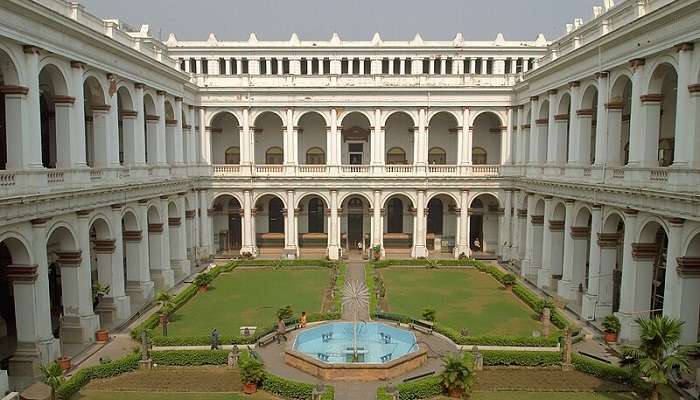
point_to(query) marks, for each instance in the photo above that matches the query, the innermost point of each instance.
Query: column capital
(161, 92)
(116, 207)
(132, 236)
(534, 98)
(552, 92)
(83, 213)
(78, 65)
(104, 246)
(39, 222)
(19, 273)
(574, 84)
(155, 228)
(630, 212)
(178, 99)
(675, 221)
(69, 259)
(685, 46)
(139, 86)
(28, 49)
(602, 75)
(688, 267)
(636, 63)
(694, 88)
(651, 98)
(14, 90)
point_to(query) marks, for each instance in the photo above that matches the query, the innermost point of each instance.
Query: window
(193, 65)
(478, 156)
(437, 66)
(530, 63)
(274, 156)
(385, 66)
(315, 156)
(395, 216)
(409, 66)
(519, 65)
(477, 66)
(509, 62)
(448, 66)
(233, 155)
(182, 64)
(344, 66)
(397, 66)
(304, 67)
(437, 156)
(355, 153)
(489, 66)
(426, 65)
(314, 66)
(316, 216)
(222, 66)
(205, 66)
(273, 66)
(368, 66)
(467, 65)
(234, 67)
(326, 66)
(263, 66)
(396, 156)
(285, 66)
(356, 66)
(275, 216)
(244, 66)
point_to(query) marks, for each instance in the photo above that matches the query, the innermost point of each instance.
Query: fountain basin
(381, 351)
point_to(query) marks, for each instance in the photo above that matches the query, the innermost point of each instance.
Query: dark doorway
(435, 216)
(275, 218)
(55, 292)
(395, 216)
(476, 230)
(316, 215)
(7, 309)
(355, 230)
(234, 229)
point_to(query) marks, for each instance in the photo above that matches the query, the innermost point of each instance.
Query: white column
(160, 133)
(463, 236)
(25, 152)
(159, 253)
(602, 138)
(567, 287)
(117, 294)
(334, 228)
(595, 278)
(178, 241)
(629, 310)
(505, 231)
(683, 133)
(178, 134)
(419, 247)
(290, 229)
(77, 121)
(529, 236)
(506, 154)
(247, 240)
(139, 285)
(378, 220)
(468, 137)
(672, 296)
(333, 142)
(638, 156)
(553, 133)
(534, 131)
(205, 224)
(515, 226)
(204, 149)
(544, 275)
(688, 298)
(377, 140)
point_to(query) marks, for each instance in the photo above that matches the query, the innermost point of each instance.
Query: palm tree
(457, 376)
(53, 377)
(658, 353)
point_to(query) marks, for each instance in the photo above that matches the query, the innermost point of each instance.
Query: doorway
(234, 229)
(275, 217)
(355, 230)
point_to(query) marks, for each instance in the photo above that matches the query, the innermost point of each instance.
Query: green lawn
(550, 396)
(463, 298)
(171, 396)
(250, 297)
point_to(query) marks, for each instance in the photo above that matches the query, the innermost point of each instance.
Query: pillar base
(80, 329)
(29, 357)
(181, 269)
(163, 279)
(290, 253)
(461, 249)
(248, 249)
(544, 278)
(524, 267)
(140, 293)
(113, 310)
(567, 290)
(4, 382)
(589, 307)
(419, 251)
(334, 252)
(629, 329)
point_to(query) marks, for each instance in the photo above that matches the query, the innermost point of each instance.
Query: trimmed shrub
(286, 388)
(329, 394)
(190, 357)
(521, 358)
(420, 389)
(81, 378)
(602, 370)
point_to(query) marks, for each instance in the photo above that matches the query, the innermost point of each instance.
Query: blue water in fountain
(377, 343)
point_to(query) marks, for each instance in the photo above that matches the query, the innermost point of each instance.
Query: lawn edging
(527, 296)
(192, 290)
(273, 384)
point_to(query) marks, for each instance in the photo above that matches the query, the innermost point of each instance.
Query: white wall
(484, 138)
(440, 136)
(313, 135)
(228, 137)
(398, 134)
(271, 135)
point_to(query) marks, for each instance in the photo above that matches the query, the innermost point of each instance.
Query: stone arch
(581, 215)
(345, 196)
(11, 69)
(589, 98)
(454, 116)
(268, 111)
(219, 195)
(484, 211)
(410, 115)
(313, 127)
(453, 196)
(647, 228)
(125, 103)
(281, 196)
(663, 83)
(96, 106)
(369, 117)
(211, 116)
(153, 214)
(14, 251)
(356, 144)
(101, 225)
(312, 226)
(18, 247)
(269, 134)
(487, 129)
(270, 221)
(225, 134)
(399, 128)
(564, 103)
(543, 111)
(656, 71)
(443, 126)
(397, 221)
(355, 220)
(53, 87)
(410, 197)
(494, 195)
(497, 114)
(322, 196)
(10, 135)
(64, 226)
(298, 116)
(227, 221)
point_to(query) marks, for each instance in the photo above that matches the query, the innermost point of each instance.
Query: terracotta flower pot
(250, 388)
(64, 362)
(163, 320)
(456, 393)
(610, 337)
(102, 335)
(204, 289)
(509, 288)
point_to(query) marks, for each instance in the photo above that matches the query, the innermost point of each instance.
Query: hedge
(81, 378)
(190, 357)
(602, 370)
(383, 395)
(420, 389)
(521, 358)
(338, 288)
(286, 388)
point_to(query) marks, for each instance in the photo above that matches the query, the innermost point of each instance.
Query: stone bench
(267, 339)
(422, 326)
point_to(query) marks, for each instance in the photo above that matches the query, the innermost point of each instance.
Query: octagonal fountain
(356, 350)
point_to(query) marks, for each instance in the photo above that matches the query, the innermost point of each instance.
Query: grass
(463, 298)
(250, 297)
(92, 395)
(549, 396)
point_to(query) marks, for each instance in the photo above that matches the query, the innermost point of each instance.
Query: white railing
(398, 169)
(485, 170)
(618, 172)
(7, 179)
(312, 169)
(96, 174)
(355, 169)
(226, 169)
(269, 169)
(658, 174)
(54, 177)
(442, 169)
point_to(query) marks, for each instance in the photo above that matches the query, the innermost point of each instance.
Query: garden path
(355, 272)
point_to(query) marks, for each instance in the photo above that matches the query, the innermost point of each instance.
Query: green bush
(521, 358)
(382, 394)
(190, 357)
(81, 378)
(420, 389)
(602, 370)
(329, 394)
(286, 388)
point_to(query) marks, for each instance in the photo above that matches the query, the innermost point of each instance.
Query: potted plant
(547, 304)
(429, 314)
(509, 281)
(611, 325)
(202, 281)
(165, 301)
(376, 252)
(252, 374)
(53, 377)
(99, 291)
(456, 377)
(64, 362)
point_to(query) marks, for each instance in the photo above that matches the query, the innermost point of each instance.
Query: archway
(269, 139)
(312, 139)
(150, 122)
(442, 134)
(96, 123)
(660, 104)
(689, 289)
(399, 216)
(556, 255)
(159, 250)
(12, 252)
(106, 277)
(441, 224)
(486, 137)
(611, 243)
(398, 139)
(541, 136)
(313, 225)
(9, 134)
(650, 252)
(588, 121)
(356, 144)
(270, 224)
(227, 224)
(559, 153)
(54, 137)
(137, 277)
(581, 235)
(619, 110)
(225, 139)
(356, 226)
(127, 121)
(483, 225)
(170, 132)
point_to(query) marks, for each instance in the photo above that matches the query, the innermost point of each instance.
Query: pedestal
(113, 310)
(181, 269)
(29, 357)
(629, 329)
(419, 251)
(163, 279)
(146, 364)
(334, 252)
(567, 290)
(140, 293)
(588, 308)
(80, 329)
(544, 278)
(290, 253)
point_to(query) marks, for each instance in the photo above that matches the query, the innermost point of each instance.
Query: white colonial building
(125, 160)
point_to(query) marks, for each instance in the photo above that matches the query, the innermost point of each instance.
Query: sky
(352, 19)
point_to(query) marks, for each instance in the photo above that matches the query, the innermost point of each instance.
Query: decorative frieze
(688, 267)
(104, 246)
(556, 225)
(132, 236)
(645, 251)
(69, 259)
(22, 273)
